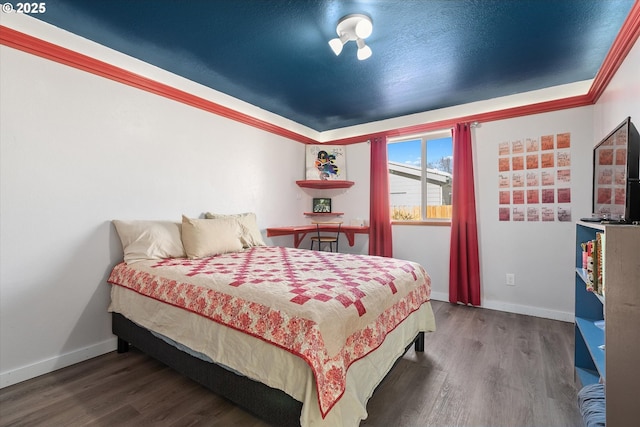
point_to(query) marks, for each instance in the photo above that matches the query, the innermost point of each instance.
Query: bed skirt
(271, 405)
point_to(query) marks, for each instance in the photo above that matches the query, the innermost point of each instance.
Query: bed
(297, 337)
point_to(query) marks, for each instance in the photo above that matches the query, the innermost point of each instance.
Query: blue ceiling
(427, 54)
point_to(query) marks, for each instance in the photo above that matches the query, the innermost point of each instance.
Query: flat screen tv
(616, 183)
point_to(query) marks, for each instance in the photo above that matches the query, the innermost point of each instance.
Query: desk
(300, 231)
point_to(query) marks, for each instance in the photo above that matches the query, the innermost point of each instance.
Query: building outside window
(420, 174)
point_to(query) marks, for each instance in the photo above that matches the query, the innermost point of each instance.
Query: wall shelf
(323, 213)
(324, 184)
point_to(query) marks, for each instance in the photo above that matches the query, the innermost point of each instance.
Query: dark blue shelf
(593, 337)
(589, 308)
(587, 376)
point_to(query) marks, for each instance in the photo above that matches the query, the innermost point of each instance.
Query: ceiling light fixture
(353, 27)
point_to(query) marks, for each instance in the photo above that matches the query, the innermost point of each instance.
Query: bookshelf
(617, 362)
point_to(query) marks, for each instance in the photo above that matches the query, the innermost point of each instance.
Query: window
(420, 173)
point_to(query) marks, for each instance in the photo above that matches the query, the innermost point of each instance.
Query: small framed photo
(325, 162)
(321, 205)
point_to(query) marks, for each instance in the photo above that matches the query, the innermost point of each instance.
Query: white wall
(540, 254)
(621, 98)
(78, 151)
(353, 201)
(428, 246)
(546, 288)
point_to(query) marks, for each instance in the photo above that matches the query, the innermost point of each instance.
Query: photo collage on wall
(534, 179)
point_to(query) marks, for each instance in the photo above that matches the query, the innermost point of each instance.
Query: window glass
(420, 173)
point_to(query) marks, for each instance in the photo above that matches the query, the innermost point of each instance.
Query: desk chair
(326, 238)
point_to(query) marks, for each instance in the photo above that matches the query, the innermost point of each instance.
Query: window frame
(424, 137)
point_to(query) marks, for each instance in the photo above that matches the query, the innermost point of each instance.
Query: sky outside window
(409, 152)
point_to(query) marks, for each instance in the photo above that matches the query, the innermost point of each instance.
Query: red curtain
(464, 263)
(379, 214)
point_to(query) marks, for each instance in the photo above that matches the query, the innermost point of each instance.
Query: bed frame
(272, 405)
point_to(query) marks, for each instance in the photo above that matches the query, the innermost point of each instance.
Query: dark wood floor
(481, 368)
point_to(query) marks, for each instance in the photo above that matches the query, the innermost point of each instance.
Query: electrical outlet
(511, 279)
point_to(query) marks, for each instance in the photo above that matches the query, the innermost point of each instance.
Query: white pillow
(250, 233)
(142, 240)
(205, 237)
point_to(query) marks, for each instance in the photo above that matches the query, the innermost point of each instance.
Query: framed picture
(325, 162)
(321, 205)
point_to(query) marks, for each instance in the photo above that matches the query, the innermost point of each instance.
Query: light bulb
(364, 51)
(364, 28)
(336, 46)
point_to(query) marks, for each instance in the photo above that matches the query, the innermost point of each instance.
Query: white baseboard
(46, 366)
(440, 296)
(515, 308)
(529, 311)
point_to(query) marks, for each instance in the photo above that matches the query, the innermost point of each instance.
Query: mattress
(280, 363)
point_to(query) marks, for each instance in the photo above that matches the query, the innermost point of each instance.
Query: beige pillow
(205, 237)
(142, 240)
(250, 234)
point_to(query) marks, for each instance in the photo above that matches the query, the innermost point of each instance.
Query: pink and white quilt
(330, 309)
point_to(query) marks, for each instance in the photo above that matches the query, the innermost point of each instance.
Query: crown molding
(629, 33)
(38, 47)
